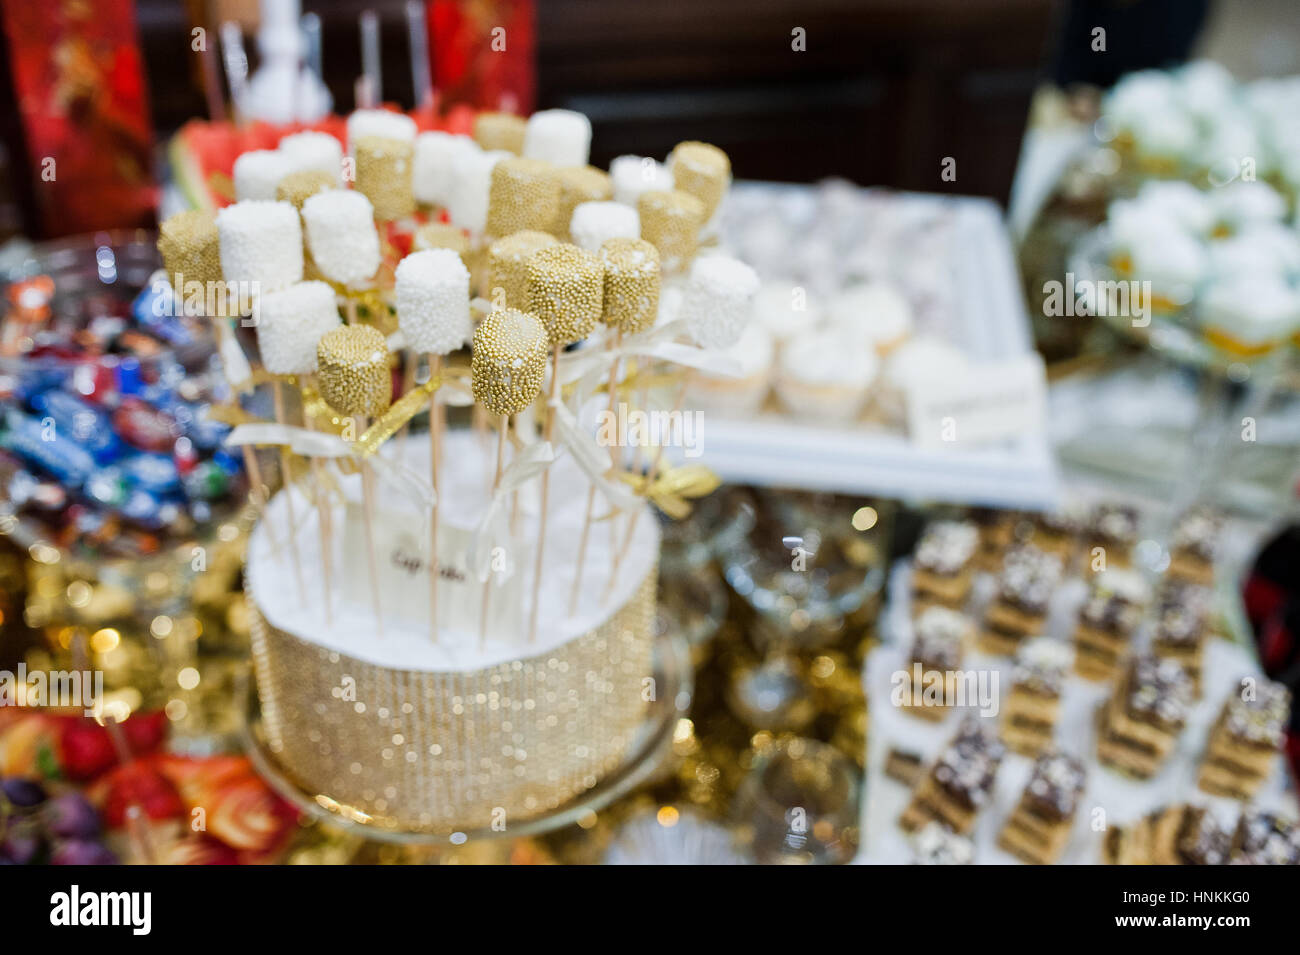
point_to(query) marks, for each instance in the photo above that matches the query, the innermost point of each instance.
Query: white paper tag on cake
(402, 554)
(989, 403)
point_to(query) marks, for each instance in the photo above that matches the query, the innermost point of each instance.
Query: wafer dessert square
(1265, 838)
(1178, 834)
(1195, 546)
(935, 845)
(1245, 739)
(1138, 726)
(1107, 622)
(1182, 626)
(1033, 703)
(1039, 828)
(1057, 533)
(938, 645)
(904, 766)
(1025, 585)
(998, 530)
(943, 566)
(1114, 529)
(960, 782)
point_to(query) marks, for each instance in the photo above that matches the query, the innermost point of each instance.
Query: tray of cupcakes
(870, 367)
(1038, 698)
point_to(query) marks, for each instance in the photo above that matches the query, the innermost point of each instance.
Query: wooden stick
(496, 482)
(591, 491)
(277, 394)
(548, 430)
(626, 546)
(435, 455)
(258, 494)
(368, 500)
(325, 524)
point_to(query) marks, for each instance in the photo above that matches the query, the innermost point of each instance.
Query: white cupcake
(875, 314)
(1268, 248)
(1248, 316)
(825, 375)
(1179, 202)
(786, 310)
(1244, 203)
(743, 395)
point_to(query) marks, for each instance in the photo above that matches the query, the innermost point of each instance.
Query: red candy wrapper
(80, 88)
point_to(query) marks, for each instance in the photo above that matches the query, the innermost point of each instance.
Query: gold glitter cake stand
(674, 679)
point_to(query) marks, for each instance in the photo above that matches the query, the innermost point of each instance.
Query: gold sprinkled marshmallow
(353, 370)
(508, 267)
(441, 235)
(703, 171)
(525, 194)
(631, 300)
(579, 184)
(384, 175)
(671, 220)
(500, 131)
(298, 187)
(191, 249)
(566, 286)
(509, 360)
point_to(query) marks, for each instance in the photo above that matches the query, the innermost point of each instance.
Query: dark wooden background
(885, 90)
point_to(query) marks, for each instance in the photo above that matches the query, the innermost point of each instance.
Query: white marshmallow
(560, 136)
(435, 154)
(432, 290)
(260, 243)
(290, 322)
(718, 300)
(310, 150)
(471, 177)
(633, 175)
(258, 172)
(379, 122)
(341, 235)
(594, 222)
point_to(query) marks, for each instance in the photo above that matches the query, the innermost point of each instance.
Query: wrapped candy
(341, 235)
(432, 291)
(261, 244)
(565, 289)
(384, 175)
(631, 296)
(559, 136)
(672, 222)
(509, 361)
(500, 131)
(471, 182)
(702, 170)
(297, 187)
(190, 249)
(633, 175)
(718, 300)
(291, 322)
(431, 172)
(579, 184)
(508, 266)
(593, 223)
(383, 123)
(524, 194)
(352, 364)
(257, 173)
(311, 151)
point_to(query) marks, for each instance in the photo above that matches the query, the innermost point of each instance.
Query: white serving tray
(991, 323)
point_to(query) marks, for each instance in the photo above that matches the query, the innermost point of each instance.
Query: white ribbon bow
(493, 529)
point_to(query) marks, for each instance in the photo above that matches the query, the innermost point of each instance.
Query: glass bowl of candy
(108, 448)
